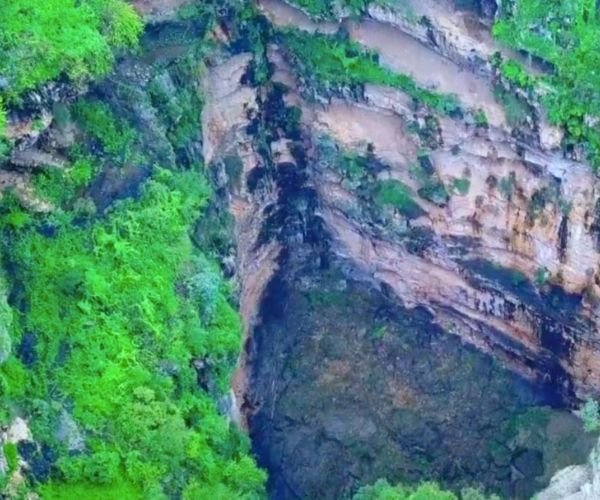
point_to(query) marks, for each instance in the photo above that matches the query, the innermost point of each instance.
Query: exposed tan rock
(18, 431)
(525, 209)
(224, 121)
(32, 158)
(20, 184)
(28, 129)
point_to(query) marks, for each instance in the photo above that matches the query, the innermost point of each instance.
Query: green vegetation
(382, 490)
(541, 276)
(393, 193)
(3, 120)
(120, 308)
(480, 118)
(332, 62)
(379, 332)
(461, 185)
(123, 338)
(516, 109)
(590, 415)
(564, 34)
(61, 186)
(40, 41)
(114, 135)
(326, 9)
(507, 185)
(4, 143)
(11, 456)
(515, 74)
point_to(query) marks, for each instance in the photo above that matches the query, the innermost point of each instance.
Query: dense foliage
(2, 119)
(382, 490)
(326, 9)
(123, 338)
(564, 34)
(40, 41)
(115, 313)
(335, 61)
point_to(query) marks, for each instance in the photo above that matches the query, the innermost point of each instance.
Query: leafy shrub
(336, 62)
(395, 194)
(590, 415)
(515, 74)
(326, 9)
(461, 185)
(382, 490)
(480, 118)
(6, 322)
(114, 134)
(60, 186)
(40, 41)
(116, 342)
(3, 120)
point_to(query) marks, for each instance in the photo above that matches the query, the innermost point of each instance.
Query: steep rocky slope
(418, 286)
(493, 236)
(500, 255)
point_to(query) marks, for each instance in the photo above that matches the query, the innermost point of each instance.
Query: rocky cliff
(418, 285)
(492, 232)
(505, 255)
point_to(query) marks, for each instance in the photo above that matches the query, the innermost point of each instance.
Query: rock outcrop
(229, 149)
(523, 211)
(577, 482)
(491, 236)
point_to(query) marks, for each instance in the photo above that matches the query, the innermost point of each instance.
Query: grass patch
(336, 62)
(41, 41)
(461, 185)
(395, 194)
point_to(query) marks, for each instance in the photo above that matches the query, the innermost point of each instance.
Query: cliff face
(508, 256)
(529, 213)
(491, 238)
(477, 275)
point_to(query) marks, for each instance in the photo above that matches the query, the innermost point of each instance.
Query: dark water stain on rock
(351, 387)
(117, 184)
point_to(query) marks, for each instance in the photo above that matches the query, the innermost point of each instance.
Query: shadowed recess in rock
(352, 387)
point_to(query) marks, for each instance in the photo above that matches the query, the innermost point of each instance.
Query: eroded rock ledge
(509, 262)
(496, 239)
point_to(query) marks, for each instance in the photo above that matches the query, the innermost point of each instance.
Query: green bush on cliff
(590, 415)
(337, 62)
(42, 40)
(4, 147)
(565, 34)
(382, 490)
(326, 9)
(116, 327)
(114, 134)
(393, 193)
